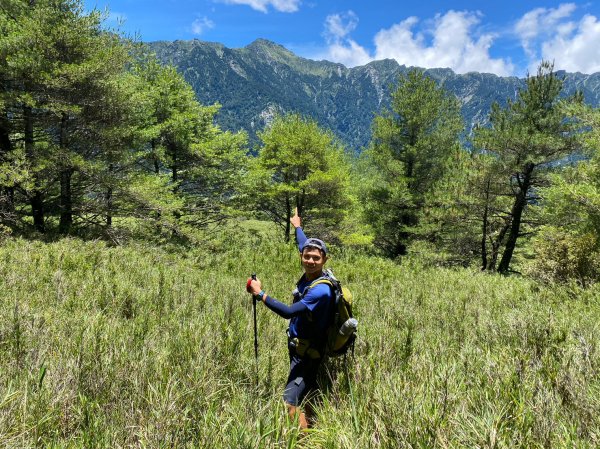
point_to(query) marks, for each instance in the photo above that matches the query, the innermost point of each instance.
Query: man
(309, 315)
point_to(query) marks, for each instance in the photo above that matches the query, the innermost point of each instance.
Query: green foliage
(86, 115)
(113, 347)
(411, 148)
(300, 165)
(562, 255)
(527, 139)
(571, 207)
(448, 220)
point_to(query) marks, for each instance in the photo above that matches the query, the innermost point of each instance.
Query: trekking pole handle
(253, 277)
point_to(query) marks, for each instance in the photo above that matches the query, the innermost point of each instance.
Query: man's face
(313, 260)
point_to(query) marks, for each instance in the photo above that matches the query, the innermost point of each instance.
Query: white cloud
(453, 43)
(201, 24)
(551, 34)
(541, 22)
(577, 50)
(338, 26)
(349, 53)
(263, 5)
(341, 48)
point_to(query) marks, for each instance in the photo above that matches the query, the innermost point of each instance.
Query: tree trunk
(173, 149)
(36, 199)
(8, 206)
(37, 211)
(66, 200)
(497, 243)
(108, 198)
(5, 144)
(517, 213)
(300, 198)
(156, 164)
(484, 227)
(288, 211)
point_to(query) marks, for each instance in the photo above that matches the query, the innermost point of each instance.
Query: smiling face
(313, 261)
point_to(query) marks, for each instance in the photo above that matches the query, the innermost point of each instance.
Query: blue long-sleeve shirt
(309, 315)
(300, 238)
(281, 309)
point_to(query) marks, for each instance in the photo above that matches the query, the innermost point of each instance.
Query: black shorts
(302, 378)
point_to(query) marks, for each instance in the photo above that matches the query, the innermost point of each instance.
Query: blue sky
(506, 38)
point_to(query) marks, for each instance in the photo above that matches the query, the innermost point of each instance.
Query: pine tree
(568, 245)
(300, 166)
(411, 147)
(527, 139)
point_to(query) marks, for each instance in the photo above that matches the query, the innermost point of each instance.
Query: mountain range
(255, 82)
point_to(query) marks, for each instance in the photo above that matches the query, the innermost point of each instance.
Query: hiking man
(309, 315)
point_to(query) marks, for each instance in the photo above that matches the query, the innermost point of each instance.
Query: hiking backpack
(341, 332)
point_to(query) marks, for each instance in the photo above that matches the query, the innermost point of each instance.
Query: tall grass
(140, 346)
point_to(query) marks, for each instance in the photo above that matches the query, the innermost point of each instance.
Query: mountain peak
(265, 45)
(261, 42)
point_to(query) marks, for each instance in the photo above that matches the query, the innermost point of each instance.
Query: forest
(129, 222)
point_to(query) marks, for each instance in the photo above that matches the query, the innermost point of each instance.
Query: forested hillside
(253, 82)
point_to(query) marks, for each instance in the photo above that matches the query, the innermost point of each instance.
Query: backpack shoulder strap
(321, 280)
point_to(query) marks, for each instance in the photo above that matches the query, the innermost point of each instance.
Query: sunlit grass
(138, 346)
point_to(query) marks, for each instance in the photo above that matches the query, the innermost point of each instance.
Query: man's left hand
(253, 286)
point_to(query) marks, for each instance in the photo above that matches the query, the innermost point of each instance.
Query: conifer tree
(60, 69)
(568, 244)
(527, 139)
(300, 166)
(411, 147)
(204, 163)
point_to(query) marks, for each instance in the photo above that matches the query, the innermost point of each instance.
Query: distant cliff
(254, 82)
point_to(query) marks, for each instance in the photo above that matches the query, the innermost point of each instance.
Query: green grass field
(141, 346)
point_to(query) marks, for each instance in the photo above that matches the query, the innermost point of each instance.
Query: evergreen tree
(527, 139)
(411, 147)
(300, 166)
(204, 163)
(59, 69)
(568, 245)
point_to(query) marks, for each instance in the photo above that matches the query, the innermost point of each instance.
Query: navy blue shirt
(313, 323)
(309, 316)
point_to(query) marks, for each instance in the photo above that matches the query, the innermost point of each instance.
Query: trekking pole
(254, 298)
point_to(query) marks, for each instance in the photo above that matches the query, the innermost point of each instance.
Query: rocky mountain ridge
(255, 82)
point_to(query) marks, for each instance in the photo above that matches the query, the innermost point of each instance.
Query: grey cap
(315, 243)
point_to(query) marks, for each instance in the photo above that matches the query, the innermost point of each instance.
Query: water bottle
(346, 329)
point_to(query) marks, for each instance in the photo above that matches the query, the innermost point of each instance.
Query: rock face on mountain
(255, 82)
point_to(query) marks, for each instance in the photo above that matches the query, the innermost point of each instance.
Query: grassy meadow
(146, 346)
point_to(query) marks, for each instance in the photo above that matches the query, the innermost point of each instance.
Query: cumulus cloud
(348, 53)
(451, 41)
(577, 50)
(263, 5)
(454, 44)
(341, 48)
(541, 22)
(201, 24)
(338, 26)
(551, 34)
